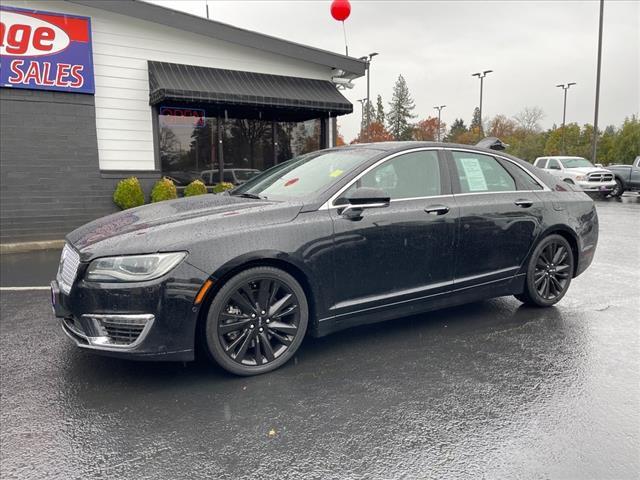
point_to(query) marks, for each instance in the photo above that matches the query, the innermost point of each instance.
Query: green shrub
(164, 189)
(128, 193)
(221, 187)
(197, 187)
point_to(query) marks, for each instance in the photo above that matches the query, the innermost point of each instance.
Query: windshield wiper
(249, 195)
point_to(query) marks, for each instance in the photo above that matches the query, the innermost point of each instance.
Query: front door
(498, 222)
(403, 251)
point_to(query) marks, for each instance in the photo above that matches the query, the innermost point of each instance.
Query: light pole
(362, 103)
(439, 108)
(368, 59)
(565, 87)
(481, 76)
(595, 115)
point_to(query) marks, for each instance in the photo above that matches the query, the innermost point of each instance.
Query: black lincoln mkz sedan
(325, 241)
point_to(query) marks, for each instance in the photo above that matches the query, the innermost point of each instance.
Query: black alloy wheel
(257, 321)
(549, 273)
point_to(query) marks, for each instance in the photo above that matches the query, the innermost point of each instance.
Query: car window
(482, 173)
(411, 175)
(228, 176)
(524, 181)
(553, 164)
(540, 162)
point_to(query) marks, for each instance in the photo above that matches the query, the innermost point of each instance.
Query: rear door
(499, 217)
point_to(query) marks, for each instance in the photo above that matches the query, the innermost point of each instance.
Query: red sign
(45, 50)
(182, 117)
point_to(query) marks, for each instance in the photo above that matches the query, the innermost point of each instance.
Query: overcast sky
(530, 45)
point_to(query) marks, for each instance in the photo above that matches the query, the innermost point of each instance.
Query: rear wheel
(549, 272)
(618, 190)
(257, 321)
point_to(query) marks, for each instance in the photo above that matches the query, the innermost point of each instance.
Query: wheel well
(568, 180)
(573, 243)
(291, 269)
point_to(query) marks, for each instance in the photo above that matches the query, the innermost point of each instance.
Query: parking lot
(487, 390)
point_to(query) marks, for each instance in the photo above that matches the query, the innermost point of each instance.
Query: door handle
(437, 209)
(524, 203)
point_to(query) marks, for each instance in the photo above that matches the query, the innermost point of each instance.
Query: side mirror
(364, 198)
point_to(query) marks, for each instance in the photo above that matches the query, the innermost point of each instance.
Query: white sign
(475, 175)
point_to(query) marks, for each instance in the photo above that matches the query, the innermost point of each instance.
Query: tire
(549, 272)
(618, 190)
(240, 337)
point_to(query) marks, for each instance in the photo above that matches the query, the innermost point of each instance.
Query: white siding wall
(121, 47)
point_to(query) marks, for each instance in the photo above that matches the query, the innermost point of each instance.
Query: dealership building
(94, 91)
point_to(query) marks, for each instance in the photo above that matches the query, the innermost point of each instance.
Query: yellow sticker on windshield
(336, 173)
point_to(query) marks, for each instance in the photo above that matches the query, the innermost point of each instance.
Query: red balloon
(340, 9)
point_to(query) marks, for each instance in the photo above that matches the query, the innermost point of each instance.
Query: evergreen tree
(379, 111)
(401, 111)
(368, 110)
(457, 129)
(476, 121)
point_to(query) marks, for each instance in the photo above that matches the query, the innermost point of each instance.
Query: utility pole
(439, 108)
(565, 87)
(595, 116)
(481, 76)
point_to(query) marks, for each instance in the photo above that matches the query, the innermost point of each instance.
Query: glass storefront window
(188, 144)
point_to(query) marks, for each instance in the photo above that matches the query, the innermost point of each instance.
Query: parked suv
(580, 172)
(627, 177)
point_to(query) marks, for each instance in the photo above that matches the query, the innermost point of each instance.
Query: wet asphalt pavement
(487, 390)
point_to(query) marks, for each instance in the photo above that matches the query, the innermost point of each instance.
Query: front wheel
(618, 190)
(549, 272)
(257, 321)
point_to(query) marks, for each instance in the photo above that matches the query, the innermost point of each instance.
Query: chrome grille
(600, 177)
(68, 269)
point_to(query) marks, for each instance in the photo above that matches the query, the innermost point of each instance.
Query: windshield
(576, 162)
(304, 175)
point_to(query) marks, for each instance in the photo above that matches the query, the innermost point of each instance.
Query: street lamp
(367, 58)
(594, 147)
(565, 87)
(362, 103)
(481, 76)
(439, 108)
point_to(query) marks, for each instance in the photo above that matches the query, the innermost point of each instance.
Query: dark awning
(188, 83)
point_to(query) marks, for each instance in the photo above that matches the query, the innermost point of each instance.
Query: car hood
(587, 170)
(174, 224)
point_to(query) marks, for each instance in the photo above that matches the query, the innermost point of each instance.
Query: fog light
(116, 330)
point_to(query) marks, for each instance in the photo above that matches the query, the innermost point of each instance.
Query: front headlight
(580, 178)
(133, 268)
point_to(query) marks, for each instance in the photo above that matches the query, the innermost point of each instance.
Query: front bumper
(596, 187)
(153, 320)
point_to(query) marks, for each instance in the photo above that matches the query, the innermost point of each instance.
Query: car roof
(398, 146)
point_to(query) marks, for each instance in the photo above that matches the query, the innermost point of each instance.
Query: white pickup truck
(580, 172)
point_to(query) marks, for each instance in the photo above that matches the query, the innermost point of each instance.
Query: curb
(22, 247)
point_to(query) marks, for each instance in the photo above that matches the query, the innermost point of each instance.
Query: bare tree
(528, 119)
